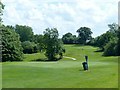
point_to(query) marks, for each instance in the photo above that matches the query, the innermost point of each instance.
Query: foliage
(84, 34)
(53, 46)
(25, 32)
(118, 43)
(68, 38)
(110, 48)
(39, 40)
(29, 47)
(102, 40)
(11, 45)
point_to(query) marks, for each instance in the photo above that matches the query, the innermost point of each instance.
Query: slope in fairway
(66, 73)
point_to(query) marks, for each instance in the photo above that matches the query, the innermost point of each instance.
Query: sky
(65, 15)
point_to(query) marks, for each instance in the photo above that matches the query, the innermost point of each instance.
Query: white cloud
(66, 15)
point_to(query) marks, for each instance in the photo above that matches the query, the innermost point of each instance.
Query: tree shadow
(99, 50)
(46, 60)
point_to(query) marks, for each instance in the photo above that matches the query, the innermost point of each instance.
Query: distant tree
(39, 40)
(110, 48)
(1, 13)
(118, 43)
(53, 45)
(29, 47)
(113, 28)
(102, 40)
(25, 32)
(68, 38)
(11, 45)
(84, 34)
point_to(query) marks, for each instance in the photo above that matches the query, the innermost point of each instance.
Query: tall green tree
(68, 38)
(39, 40)
(1, 13)
(108, 41)
(25, 32)
(53, 46)
(102, 40)
(84, 34)
(118, 43)
(11, 45)
(110, 48)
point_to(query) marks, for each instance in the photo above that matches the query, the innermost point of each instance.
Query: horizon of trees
(33, 43)
(21, 39)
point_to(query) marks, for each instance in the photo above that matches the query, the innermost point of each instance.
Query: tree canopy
(53, 45)
(25, 32)
(29, 47)
(39, 40)
(68, 38)
(118, 43)
(11, 45)
(108, 41)
(84, 34)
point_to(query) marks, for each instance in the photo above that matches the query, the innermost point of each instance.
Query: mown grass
(66, 73)
(0, 75)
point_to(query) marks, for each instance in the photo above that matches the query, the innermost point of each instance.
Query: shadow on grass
(99, 50)
(46, 60)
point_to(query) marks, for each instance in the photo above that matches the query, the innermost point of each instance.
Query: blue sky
(65, 15)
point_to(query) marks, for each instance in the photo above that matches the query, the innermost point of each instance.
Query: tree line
(84, 35)
(109, 42)
(20, 39)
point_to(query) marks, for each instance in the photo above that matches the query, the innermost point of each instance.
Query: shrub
(110, 49)
(29, 47)
(11, 45)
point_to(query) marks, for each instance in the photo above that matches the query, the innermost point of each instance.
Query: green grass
(66, 73)
(0, 76)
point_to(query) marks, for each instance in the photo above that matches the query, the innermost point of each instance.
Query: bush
(11, 45)
(29, 47)
(110, 49)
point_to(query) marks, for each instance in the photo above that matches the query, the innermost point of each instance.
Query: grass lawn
(66, 73)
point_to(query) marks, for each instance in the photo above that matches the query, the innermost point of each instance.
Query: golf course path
(69, 57)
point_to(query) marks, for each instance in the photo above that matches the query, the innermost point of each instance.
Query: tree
(118, 43)
(11, 45)
(39, 40)
(68, 38)
(110, 48)
(1, 10)
(102, 40)
(53, 45)
(84, 34)
(29, 47)
(25, 32)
